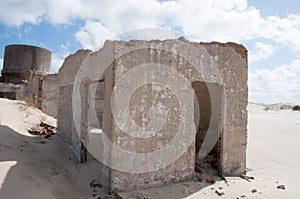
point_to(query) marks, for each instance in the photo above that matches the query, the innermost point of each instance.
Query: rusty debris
(43, 129)
(281, 187)
(248, 178)
(254, 190)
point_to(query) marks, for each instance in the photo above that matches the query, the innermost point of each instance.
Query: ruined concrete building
(178, 79)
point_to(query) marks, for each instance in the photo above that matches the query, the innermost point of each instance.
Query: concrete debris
(281, 187)
(95, 184)
(254, 190)
(225, 180)
(116, 196)
(248, 178)
(111, 197)
(43, 129)
(219, 192)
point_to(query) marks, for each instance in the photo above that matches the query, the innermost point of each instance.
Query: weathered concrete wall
(141, 101)
(32, 92)
(50, 95)
(231, 112)
(232, 63)
(19, 89)
(68, 71)
(28, 92)
(66, 128)
(65, 80)
(222, 66)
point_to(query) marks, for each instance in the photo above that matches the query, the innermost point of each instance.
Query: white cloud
(56, 62)
(282, 84)
(225, 20)
(228, 20)
(219, 20)
(120, 15)
(285, 31)
(1, 64)
(92, 35)
(216, 20)
(58, 58)
(17, 12)
(261, 51)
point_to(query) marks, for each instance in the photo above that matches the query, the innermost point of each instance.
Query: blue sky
(269, 29)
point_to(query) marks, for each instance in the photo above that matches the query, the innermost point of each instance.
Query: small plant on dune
(296, 108)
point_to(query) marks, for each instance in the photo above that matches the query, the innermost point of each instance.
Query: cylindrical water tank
(24, 62)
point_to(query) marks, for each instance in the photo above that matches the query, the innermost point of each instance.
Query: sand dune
(31, 167)
(35, 167)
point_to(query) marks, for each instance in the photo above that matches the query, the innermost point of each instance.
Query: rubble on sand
(43, 129)
(281, 187)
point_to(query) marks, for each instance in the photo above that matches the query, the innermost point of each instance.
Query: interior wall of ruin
(32, 92)
(18, 89)
(50, 95)
(65, 81)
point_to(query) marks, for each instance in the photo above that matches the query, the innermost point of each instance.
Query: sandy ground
(34, 167)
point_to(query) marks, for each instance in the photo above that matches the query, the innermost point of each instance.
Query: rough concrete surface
(200, 89)
(50, 95)
(65, 80)
(221, 67)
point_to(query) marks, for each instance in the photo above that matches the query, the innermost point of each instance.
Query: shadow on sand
(35, 167)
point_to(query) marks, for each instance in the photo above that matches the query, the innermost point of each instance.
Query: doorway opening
(208, 119)
(8, 95)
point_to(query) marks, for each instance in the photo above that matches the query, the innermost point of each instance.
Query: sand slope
(31, 167)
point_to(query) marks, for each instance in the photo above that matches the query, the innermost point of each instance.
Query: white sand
(31, 169)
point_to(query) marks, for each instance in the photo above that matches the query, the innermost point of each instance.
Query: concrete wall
(50, 95)
(228, 116)
(231, 115)
(65, 80)
(33, 96)
(232, 63)
(19, 89)
(143, 98)
(29, 92)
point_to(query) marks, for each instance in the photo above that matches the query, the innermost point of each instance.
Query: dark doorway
(209, 105)
(8, 95)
